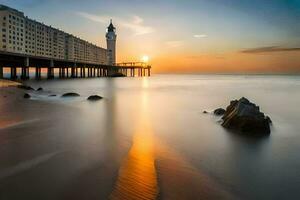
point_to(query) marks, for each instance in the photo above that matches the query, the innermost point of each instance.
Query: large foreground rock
(70, 94)
(244, 116)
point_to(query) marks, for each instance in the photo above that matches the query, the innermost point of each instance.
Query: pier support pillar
(50, 73)
(25, 73)
(13, 73)
(67, 72)
(50, 70)
(63, 72)
(149, 72)
(25, 69)
(1, 71)
(38, 71)
(73, 72)
(59, 72)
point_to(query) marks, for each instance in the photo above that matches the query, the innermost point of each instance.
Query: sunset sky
(192, 36)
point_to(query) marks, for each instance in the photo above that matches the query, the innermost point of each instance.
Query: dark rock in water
(244, 116)
(117, 75)
(52, 95)
(94, 98)
(205, 112)
(25, 87)
(219, 111)
(39, 89)
(70, 94)
(27, 96)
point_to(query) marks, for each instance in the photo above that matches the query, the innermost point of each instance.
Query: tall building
(19, 34)
(111, 38)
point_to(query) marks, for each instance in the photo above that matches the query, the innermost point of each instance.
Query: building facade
(19, 34)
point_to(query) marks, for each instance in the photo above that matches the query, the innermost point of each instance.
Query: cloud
(269, 49)
(200, 36)
(175, 43)
(95, 18)
(136, 24)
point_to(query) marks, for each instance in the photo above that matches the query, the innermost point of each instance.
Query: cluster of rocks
(90, 98)
(26, 87)
(244, 116)
(69, 94)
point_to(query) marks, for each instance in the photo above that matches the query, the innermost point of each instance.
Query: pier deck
(66, 68)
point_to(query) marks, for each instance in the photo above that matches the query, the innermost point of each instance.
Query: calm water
(148, 139)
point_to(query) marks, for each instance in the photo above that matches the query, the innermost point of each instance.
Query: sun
(145, 58)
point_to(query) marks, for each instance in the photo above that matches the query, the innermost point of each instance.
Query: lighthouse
(111, 38)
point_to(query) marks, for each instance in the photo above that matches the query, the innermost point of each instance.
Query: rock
(26, 96)
(25, 87)
(245, 117)
(205, 112)
(70, 94)
(219, 111)
(94, 98)
(39, 89)
(52, 95)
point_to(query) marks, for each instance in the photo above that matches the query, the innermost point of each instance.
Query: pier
(66, 68)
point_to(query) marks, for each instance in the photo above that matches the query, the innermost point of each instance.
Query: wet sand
(42, 159)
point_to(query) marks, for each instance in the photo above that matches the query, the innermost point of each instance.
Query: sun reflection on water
(137, 176)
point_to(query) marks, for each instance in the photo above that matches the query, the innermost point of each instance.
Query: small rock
(205, 112)
(94, 98)
(27, 96)
(52, 95)
(219, 111)
(25, 87)
(70, 94)
(39, 89)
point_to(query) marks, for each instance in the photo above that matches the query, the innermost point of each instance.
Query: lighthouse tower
(111, 44)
